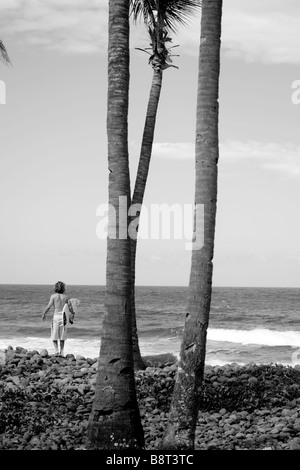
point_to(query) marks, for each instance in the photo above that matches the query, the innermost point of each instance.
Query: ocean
(260, 325)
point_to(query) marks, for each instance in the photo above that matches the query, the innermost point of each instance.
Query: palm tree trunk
(115, 420)
(184, 408)
(139, 191)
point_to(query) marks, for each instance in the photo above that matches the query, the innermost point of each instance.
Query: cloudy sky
(54, 174)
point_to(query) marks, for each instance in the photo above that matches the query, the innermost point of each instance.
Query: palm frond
(172, 12)
(142, 8)
(143, 50)
(178, 12)
(3, 54)
(161, 17)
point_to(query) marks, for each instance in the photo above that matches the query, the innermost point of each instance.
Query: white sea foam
(220, 362)
(220, 356)
(89, 347)
(260, 336)
(160, 346)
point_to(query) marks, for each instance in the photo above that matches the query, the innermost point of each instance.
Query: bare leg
(62, 345)
(55, 346)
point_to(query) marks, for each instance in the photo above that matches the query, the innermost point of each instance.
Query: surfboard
(67, 316)
(75, 305)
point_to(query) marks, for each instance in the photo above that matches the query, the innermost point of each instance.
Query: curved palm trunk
(160, 17)
(184, 408)
(139, 191)
(115, 420)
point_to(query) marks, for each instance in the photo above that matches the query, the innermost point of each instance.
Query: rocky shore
(45, 402)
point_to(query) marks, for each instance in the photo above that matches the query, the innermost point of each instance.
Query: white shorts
(58, 329)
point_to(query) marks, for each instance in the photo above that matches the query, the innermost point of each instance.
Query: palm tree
(3, 54)
(161, 17)
(183, 415)
(115, 420)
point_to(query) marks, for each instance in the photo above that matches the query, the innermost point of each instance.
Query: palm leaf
(142, 8)
(178, 12)
(3, 54)
(173, 12)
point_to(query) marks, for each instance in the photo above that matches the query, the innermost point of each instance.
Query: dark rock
(71, 406)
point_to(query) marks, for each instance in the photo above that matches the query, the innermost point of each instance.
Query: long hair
(60, 287)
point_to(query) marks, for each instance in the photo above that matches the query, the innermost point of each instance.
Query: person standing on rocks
(59, 325)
